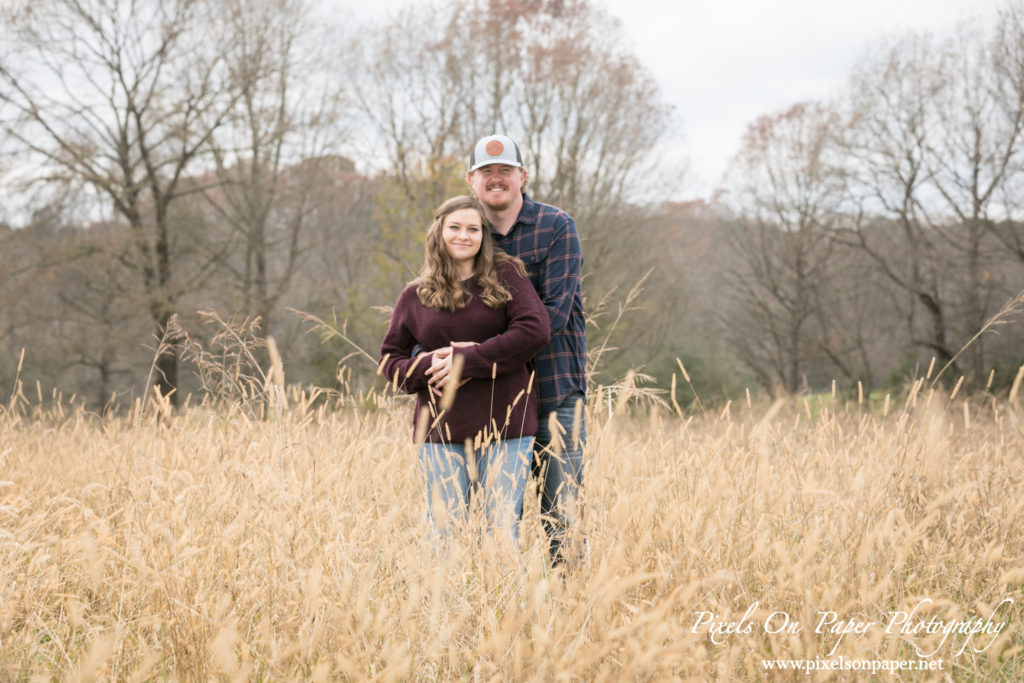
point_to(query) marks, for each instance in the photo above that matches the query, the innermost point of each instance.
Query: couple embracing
(497, 312)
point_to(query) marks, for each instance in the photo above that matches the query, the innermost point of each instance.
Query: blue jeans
(501, 471)
(558, 467)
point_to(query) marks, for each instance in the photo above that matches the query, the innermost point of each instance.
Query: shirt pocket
(534, 260)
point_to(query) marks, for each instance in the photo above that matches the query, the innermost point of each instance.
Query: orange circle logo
(494, 148)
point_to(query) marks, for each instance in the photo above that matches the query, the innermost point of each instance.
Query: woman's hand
(441, 366)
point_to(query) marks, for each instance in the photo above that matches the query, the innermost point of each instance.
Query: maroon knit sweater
(508, 338)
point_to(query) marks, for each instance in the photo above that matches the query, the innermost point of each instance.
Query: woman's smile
(462, 235)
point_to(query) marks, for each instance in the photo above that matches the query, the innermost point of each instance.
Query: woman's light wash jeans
(501, 471)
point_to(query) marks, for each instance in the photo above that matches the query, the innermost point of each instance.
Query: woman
(475, 306)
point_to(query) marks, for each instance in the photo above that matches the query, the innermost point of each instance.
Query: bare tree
(72, 305)
(934, 142)
(887, 146)
(96, 305)
(973, 150)
(1008, 61)
(278, 146)
(590, 113)
(556, 75)
(787, 194)
(123, 97)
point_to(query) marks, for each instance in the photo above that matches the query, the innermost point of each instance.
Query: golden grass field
(210, 545)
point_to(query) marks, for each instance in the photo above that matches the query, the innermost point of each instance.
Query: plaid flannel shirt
(545, 238)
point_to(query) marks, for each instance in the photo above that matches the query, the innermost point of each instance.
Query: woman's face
(462, 233)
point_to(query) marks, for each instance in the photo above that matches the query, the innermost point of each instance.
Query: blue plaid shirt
(545, 238)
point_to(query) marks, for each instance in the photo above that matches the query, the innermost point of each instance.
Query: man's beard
(495, 204)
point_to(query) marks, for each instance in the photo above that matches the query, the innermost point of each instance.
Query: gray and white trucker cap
(495, 149)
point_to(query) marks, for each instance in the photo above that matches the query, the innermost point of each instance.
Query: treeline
(881, 230)
(258, 160)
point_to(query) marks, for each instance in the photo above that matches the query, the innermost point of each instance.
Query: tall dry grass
(212, 544)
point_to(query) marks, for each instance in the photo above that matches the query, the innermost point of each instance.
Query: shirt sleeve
(528, 332)
(397, 363)
(561, 271)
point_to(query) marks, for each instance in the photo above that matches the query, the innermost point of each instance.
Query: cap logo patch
(495, 148)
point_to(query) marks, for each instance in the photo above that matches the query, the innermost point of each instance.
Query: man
(545, 238)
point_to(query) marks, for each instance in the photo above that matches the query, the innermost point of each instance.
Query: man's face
(497, 186)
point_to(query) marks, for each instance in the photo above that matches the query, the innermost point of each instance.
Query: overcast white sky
(722, 63)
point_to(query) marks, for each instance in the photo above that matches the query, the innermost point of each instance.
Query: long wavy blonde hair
(438, 285)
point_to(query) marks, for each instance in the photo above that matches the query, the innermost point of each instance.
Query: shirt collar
(528, 212)
(527, 216)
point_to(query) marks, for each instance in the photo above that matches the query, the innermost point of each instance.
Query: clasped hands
(441, 367)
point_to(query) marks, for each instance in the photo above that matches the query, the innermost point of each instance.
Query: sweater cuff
(416, 376)
(474, 365)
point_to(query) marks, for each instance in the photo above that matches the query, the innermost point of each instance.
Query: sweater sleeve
(529, 330)
(396, 361)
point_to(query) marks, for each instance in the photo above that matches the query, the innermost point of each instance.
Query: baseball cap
(495, 149)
